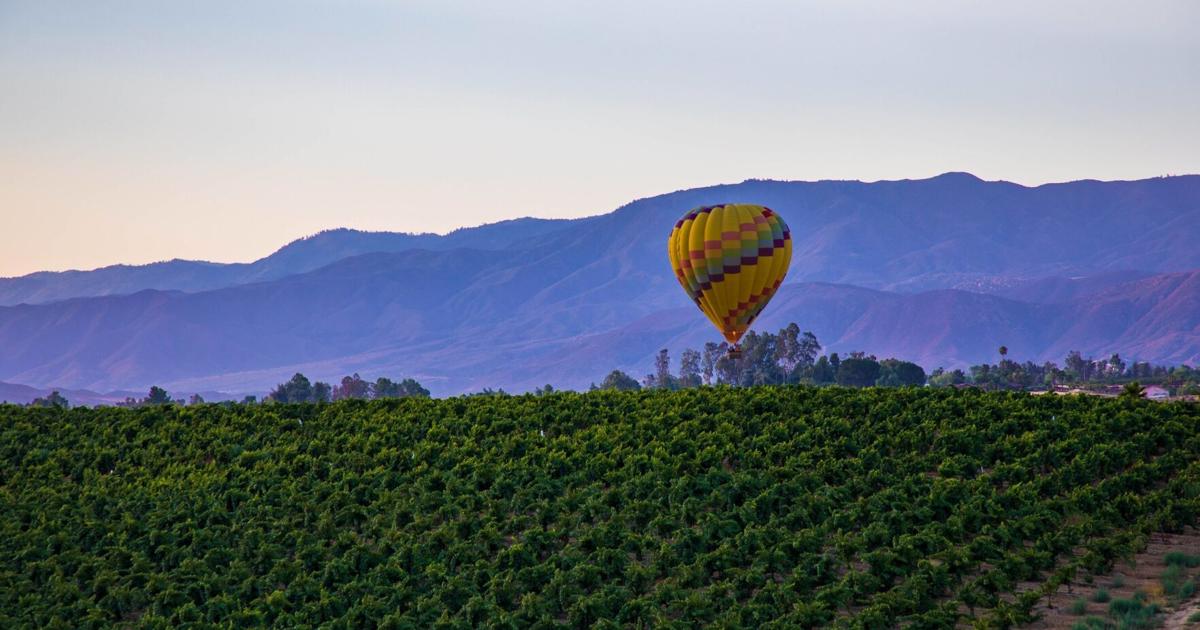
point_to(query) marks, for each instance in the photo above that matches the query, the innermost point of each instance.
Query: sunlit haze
(138, 131)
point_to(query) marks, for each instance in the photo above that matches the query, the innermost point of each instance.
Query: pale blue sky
(140, 131)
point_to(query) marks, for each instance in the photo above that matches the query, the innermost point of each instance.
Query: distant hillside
(950, 231)
(878, 267)
(396, 314)
(298, 256)
(24, 394)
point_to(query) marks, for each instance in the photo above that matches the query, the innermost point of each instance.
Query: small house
(1154, 392)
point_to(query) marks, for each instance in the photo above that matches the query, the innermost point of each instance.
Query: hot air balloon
(730, 259)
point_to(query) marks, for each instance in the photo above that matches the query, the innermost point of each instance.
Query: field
(750, 507)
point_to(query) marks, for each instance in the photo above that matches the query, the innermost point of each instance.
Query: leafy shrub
(1181, 559)
(1133, 613)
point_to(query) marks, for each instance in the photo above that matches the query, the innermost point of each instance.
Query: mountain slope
(950, 231)
(562, 302)
(354, 316)
(298, 256)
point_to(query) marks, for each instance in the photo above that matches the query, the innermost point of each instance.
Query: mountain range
(940, 271)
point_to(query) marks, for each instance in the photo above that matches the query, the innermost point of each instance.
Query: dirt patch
(1143, 578)
(1181, 618)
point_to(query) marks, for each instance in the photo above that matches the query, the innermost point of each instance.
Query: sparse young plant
(1133, 613)
(1181, 559)
(1091, 623)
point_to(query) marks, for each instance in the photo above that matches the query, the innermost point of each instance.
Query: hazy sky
(141, 131)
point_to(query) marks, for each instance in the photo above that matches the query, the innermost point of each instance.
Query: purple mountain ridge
(940, 271)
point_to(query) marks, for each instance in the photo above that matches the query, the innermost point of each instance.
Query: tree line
(1076, 370)
(786, 357)
(793, 357)
(298, 389)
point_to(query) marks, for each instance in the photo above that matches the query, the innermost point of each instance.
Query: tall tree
(662, 366)
(1116, 367)
(384, 387)
(787, 347)
(352, 387)
(823, 372)
(729, 369)
(758, 362)
(298, 389)
(1078, 367)
(157, 396)
(808, 349)
(662, 370)
(713, 352)
(689, 368)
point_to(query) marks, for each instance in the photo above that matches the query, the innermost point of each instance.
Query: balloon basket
(734, 352)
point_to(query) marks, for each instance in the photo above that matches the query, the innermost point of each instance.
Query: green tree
(1133, 391)
(713, 352)
(661, 378)
(1116, 366)
(620, 381)
(897, 373)
(384, 387)
(1077, 367)
(689, 369)
(410, 388)
(823, 372)
(352, 387)
(157, 396)
(944, 378)
(387, 388)
(808, 349)
(858, 372)
(55, 399)
(298, 389)
(662, 369)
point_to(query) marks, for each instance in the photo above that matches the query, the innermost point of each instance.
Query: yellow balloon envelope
(730, 259)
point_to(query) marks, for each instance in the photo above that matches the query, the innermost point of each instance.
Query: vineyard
(737, 507)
